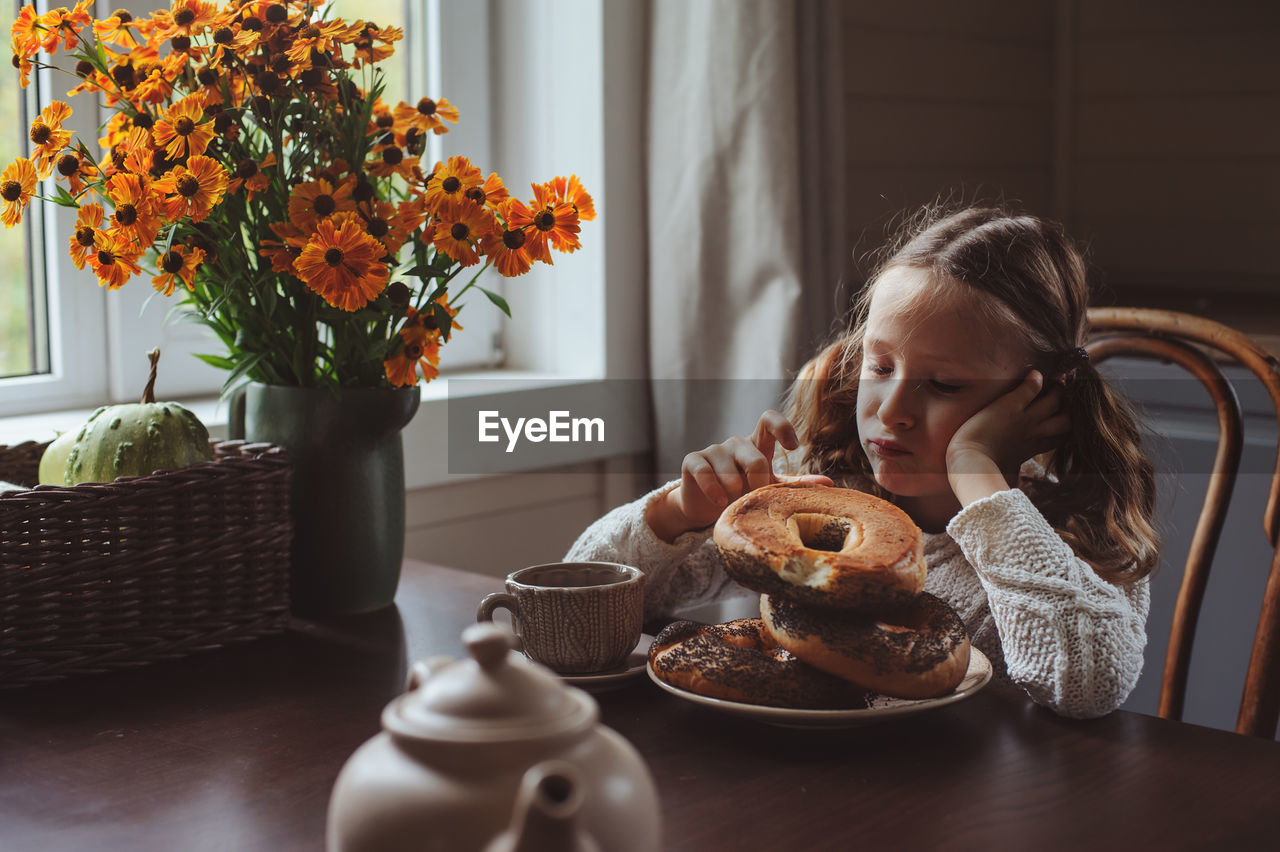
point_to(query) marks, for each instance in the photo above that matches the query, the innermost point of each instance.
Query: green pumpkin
(134, 439)
(53, 463)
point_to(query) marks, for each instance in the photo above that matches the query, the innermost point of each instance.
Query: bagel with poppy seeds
(740, 661)
(822, 546)
(919, 650)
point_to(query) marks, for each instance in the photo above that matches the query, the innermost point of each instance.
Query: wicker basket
(99, 577)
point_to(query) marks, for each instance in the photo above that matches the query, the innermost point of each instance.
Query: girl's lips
(888, 449)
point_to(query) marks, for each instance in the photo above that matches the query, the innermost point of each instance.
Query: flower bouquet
(251, 165)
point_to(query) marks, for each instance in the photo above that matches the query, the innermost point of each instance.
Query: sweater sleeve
(1071, 639)
(679, 574)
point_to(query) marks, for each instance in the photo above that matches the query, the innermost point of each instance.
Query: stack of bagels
(842, 608)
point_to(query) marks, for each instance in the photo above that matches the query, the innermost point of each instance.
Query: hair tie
(1068, 362)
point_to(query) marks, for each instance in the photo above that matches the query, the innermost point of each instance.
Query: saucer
(614, 678)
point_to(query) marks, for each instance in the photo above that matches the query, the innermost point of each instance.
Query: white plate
(881, 706)
(600, 681)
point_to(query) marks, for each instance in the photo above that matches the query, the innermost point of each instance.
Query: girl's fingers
(774, 428)
(1030, 387)
(697, 476)
(755, 466)
(1047, 404)
(725, 464)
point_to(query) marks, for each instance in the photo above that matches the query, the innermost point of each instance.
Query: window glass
(17, 340)
(384, 13)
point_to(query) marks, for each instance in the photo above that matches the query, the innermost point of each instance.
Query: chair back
(1197, 345)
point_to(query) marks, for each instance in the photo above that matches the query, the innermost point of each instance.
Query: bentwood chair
(1198, 345)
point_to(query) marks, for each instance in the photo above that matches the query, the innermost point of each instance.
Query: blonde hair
(1103, 500)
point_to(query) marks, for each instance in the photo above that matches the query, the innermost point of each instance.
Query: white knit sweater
(1046, 620)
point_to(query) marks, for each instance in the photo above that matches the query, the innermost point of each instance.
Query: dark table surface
(237, 749)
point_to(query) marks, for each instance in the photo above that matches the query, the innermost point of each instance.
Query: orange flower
(91, 80)
(77, 171)
(183, 18)
(425, 116)
(59, 23)
(506, 248)
(557, 220)
(389, 159)
(418, 349)
(519, 217)
(283, 252)
(84, 240)
(365, 48)
(48, 136)
(17, 185)
(492, 192)
(569, 190)
(181, 132)
(21, 59)
(113, 261)
(134, 218)
(25, 34)
(231, 40)
(451, 180)
(341, 264)
(419, 346)
(155, 82)
(118, 128)
(138, 150)
(312, 201)
(115, 29)
(319, 36)
(193, 189)
(462, 225)
(381, 220)
(249, 175)
(175, 266)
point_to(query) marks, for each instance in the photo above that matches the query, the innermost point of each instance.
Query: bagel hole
(817, 531)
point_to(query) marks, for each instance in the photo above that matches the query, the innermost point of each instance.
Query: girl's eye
(943, 387)
(879, 370)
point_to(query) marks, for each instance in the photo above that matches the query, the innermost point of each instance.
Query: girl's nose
(897, 410)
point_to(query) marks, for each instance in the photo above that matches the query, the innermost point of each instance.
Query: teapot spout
(545, 818)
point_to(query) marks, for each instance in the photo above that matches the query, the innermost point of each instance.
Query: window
(23, 337)
(51, 318)
(65, 343)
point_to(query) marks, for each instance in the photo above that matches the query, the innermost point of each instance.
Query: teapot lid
(496, 695)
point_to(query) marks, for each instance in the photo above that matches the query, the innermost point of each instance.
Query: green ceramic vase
(348, 488)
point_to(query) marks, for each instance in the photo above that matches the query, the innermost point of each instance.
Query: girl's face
(929, 363)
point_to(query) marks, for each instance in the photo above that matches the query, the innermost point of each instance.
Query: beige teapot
(493, 753)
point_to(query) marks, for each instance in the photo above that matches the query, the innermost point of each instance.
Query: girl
(962, 394)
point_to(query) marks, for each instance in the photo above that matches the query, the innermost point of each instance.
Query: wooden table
(237, 749)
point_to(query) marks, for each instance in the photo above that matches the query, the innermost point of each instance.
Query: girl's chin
(911, 484)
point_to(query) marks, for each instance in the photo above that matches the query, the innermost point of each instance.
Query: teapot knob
(488, 643)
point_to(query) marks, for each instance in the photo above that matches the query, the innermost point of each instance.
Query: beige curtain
(745, 239)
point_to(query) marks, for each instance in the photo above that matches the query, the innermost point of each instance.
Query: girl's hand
(1014, 427)
(712, 478)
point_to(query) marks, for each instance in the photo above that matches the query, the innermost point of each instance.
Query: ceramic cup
(573, 617)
